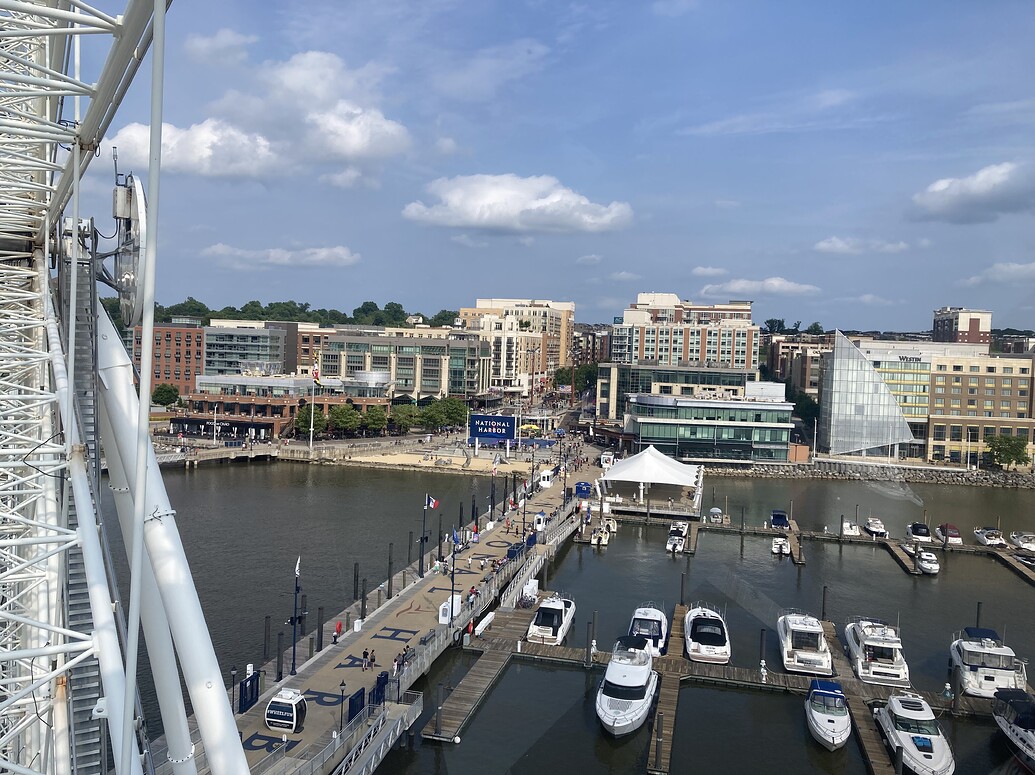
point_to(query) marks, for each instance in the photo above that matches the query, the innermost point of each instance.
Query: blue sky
(857, 165)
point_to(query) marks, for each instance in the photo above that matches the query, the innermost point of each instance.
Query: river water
(243, 527)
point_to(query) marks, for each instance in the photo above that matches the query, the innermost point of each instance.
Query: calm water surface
(244, 526)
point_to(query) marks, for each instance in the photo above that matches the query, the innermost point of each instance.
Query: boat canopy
(826, 687)
(1022, 704)
(631, 643)
(980, 633)
(778, 518)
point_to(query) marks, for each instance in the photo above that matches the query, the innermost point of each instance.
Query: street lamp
(233, 687)
(214, 405)
(341, 718)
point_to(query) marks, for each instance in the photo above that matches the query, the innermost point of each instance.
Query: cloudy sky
(853, 164)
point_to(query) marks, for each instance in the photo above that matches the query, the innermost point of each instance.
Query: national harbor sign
(493, 426)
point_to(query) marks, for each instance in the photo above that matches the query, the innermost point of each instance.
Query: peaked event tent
(653, 467)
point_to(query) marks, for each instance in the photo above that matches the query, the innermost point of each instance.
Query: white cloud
(673, 7)
(979, 198)
(852, 246)
(481, 76)
(347, 131)
(212, 148)
(1003, 273)
(345, 178)
(707, 271)
(468, 242)
(338, 256)
(828, 109)
(771, 286)
(226, 47)
(510, 203)
(591, 260)
(623, 276)
(446, 146)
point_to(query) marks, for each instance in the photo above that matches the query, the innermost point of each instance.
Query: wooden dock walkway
(446, 723)
(908, 563)
(660, 755)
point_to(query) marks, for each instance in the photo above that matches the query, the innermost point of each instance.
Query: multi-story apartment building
(617, 382)
(796, 359)
(179, 353)
(958, 324)
(235, 350)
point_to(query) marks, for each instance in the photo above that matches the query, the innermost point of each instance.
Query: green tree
(806, 408)
(815, 328)
(433, 416)
(775, 325)
(165, 394)
(365, 312)
(375, 420)
(444, 317)
(302, 421)
(405, 416)
(395, 314)
(345, 419)
(1008, 451)
(454, 411)
(191, 307)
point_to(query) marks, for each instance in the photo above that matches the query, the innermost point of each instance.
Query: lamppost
(341, 718)
(294, 619)
(214, 405)
(233, 687)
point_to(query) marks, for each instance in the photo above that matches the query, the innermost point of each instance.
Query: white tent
(652, 467)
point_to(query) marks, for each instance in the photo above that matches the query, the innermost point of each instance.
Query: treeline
(368, 313)
(344, 420)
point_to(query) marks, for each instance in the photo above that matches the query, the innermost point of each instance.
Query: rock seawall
(877, 473)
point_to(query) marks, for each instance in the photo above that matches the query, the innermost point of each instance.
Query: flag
(316, 374)
(298, 566)
(456, 537)
(430, 503)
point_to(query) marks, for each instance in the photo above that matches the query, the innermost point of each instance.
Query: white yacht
(875, 651)
(850, 529)
(677, 537)
(650, 622)
(985, 664)
(781, 546)
(927, 561)
(610, 524)
(802, 644)
(918, 531)
(600, 537)
(1023, 540)
(707, 639)
(875, 527)
(1014, 712)
(715, 516)
(908, 722)
(826, 712)
(948, 533)
(627, 692)
(553, 620)
(990, 536)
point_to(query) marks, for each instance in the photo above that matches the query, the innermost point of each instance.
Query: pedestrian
(468, 562)
(366, 659)
(395, 667)
(373, 660)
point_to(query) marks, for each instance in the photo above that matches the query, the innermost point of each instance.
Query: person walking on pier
(366, 659)
(373, 660)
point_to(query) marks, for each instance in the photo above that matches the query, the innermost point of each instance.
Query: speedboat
(715, 516)
(553, 620)
(990, 536)
(802, 643)
(850, 529)
(1014, 712)
(918, 531)
(926, 561)
(677, 537)
(826, 712)
(650, 622)
(1023, 540)
(875, 651)
(627, 692)
(948, 533)
(610, 524)
(778, 519)
(875, 527)
(600, 537)
(907, 722)
(984, 663)
(1025, 559)
(781, 546)
(707, 639)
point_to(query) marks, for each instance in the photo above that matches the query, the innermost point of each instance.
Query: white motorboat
(875, 651)
(927, 561)
(677, 537)
(908, 722)
(600, 537)
(778, 519)
(715, 516)
(1023, 540)
(826, 712)
(1025, 559)
(627, 692)
(1014, 713)
(707, 639)
(610, 524)
(650, 622)
(984, 663)
(781, 546)
(948, 533)
(875, 527)
(553, 620)
(990, 536)
(850, 529)
(918, 531)
(803, 646)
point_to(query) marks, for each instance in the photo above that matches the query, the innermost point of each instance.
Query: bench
(427, 638)
(484, 624)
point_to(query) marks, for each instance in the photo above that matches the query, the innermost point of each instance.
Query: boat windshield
(708, 632)
(920, 529)
(805, 641)
(648, 628)
(881, 653)
(617, 692)
(912, 726)
(548, 617)
(978, 658)
(831, 706)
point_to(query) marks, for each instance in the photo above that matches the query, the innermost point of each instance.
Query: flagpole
(312, 415)
(452, 580)
(294, 617)
(423, 532)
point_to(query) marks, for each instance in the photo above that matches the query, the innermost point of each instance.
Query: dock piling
(363, 601)
(589, 644)
(977, 620)
(409, 551)
(823, 615)
(682, 588)
(659, 728)
(899, 763)
(355, 582)
(761, 655)
(319, 628)
(594, 635)
(312, 646)
(266, 639)
(391, 547)
(280, 656)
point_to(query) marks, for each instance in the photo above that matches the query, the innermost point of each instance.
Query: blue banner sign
(493, 426)
(248, 692)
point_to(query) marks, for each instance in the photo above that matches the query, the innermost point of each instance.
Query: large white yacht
(908, 722)
(802, 644)
(918, 531)
(985, 664)
(875, 527)
(553, 620)
(990, 536)
(875, 651)
(627, 691)
(677, 537)
(707, 639)
(650, 621)
(1014, 712)
(1023, 540)
(826, 712)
